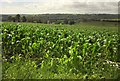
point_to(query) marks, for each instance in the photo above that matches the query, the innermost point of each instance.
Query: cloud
(61, 6)
(94, 7)
(7, 1)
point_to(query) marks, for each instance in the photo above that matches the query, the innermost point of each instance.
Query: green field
(88, 50)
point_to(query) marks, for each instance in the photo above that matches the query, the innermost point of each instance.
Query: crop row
(54, 48)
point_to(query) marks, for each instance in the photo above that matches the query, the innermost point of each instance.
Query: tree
(65, 21)
(71, 22)
(17, 17)
(23, 19)
(39, 21)
(10, 18)
(29, 18)
(13, 19)
(44, 21)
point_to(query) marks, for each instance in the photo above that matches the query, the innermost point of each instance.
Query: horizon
(60, 14)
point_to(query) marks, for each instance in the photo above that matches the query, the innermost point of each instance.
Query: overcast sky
(59, 6)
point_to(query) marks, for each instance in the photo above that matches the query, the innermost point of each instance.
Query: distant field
(88, 50)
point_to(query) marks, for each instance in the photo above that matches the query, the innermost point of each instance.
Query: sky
(59, 6)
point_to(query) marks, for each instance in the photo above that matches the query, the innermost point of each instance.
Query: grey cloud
(94, 7)
(71, 7)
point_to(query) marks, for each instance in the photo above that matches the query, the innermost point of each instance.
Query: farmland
(52, 51)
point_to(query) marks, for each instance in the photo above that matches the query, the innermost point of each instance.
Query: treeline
(58, 18)
(38, 19)
(17, 18)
